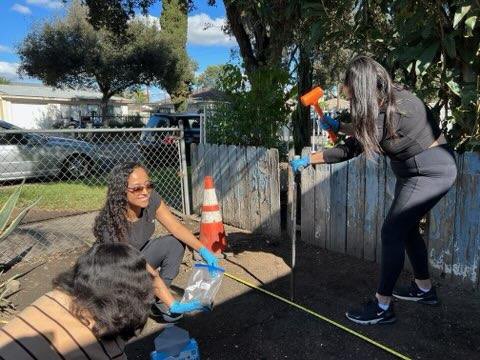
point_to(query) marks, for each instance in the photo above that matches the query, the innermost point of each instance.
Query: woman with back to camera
(93, 310)
(387, 119)
(129, 215)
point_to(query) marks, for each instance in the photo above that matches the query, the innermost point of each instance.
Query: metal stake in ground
(292, 187)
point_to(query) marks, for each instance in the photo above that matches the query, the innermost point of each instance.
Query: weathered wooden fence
(343, 206)
(247, 182)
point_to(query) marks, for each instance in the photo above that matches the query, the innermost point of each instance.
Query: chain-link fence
(68, 171)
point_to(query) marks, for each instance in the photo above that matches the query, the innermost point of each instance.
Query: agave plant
(7, 226)
(11, 285)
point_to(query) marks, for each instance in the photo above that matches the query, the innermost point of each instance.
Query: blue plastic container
(174, 343)
(189, 352)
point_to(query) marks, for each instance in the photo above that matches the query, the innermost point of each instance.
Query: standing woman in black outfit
(389, 120)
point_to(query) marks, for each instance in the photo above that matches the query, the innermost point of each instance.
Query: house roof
(42, 91)
(208, 95)
(331, 104)
(200, 95)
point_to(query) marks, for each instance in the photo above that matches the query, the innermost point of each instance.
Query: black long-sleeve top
(416, 129)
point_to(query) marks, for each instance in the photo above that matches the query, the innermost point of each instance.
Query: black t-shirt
(140, 231)
(416, 130)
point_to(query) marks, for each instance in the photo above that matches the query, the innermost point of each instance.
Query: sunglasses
(140, 188)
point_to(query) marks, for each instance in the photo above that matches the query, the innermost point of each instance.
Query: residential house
(34, 106)
(198, 101)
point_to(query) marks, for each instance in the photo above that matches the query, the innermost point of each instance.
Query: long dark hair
(371, 90)
(110, 283)
(111, 223)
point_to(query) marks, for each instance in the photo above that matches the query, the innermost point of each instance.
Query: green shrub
(256, 108)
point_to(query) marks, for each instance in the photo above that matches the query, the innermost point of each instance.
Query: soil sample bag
(203, 285)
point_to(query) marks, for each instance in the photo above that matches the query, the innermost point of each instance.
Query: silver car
(30, 155)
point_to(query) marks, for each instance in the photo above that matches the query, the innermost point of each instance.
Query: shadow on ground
(247, 324)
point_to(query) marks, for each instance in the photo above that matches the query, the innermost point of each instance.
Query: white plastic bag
(203, 285)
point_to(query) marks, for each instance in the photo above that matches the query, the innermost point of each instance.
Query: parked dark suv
(160, 148)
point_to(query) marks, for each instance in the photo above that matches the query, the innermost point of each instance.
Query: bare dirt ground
(247, 324)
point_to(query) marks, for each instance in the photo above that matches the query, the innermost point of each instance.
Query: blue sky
(207, 46)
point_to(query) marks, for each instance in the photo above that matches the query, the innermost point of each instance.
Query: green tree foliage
(438, 53)
(4, 81)
(210, 78)
(71, 53)
(431, 46)
(264, 30)
(138, 95)
(174, 22)
(114, 14)
(252, 115)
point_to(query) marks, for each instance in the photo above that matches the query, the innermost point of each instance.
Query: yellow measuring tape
(344, 328)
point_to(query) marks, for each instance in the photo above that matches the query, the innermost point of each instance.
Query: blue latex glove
(303, 162)
(181, 308)
(209, 258)
(329, 123)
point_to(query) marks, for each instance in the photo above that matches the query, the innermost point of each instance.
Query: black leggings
(422, 181)
(166, 254)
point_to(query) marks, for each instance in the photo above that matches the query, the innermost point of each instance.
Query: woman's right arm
(159, 288)
(317, 158)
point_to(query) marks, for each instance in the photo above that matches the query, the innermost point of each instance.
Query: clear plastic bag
(203, 285)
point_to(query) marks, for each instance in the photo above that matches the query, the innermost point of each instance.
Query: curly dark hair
(111, 224)
(109, 281)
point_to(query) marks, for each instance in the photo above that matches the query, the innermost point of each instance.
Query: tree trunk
(180, 98)
(174, 23)
(104, 109)
(302, 124)
(234, 16)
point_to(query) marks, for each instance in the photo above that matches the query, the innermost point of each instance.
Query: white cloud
(8, 70)
(21, 9)
(203, 30)
(49, 4)
(5, 49)
(148, 20)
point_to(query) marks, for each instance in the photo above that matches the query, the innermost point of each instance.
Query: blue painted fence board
(247, 183)
(372, 208)
(242, 189)
(338, 203)
(264, 200)
(441, 233)
(355, 206)
(382, 175)
(322, 204)
(308, 207)
(453, 232)
(466, 253)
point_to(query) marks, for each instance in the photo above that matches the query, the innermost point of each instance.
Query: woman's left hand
(209, 257)
(330, 124)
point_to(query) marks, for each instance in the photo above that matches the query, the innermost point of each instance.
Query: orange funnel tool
(311, 99)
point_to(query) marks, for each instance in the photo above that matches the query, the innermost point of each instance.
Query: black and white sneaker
(370, 314)
(413, 293)
(160, 312)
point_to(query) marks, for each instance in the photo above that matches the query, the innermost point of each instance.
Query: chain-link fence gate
(68, 171)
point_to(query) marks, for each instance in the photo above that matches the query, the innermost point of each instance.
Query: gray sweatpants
(164, 253)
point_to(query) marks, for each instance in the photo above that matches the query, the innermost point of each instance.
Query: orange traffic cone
(212, 232)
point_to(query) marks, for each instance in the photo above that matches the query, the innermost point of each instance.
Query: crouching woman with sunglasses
(129, 215)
